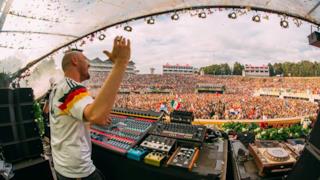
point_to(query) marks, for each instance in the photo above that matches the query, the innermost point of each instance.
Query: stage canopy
(34, 29)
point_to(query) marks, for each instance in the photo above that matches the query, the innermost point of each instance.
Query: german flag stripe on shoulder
(74, 95)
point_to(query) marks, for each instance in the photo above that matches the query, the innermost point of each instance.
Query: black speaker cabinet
(24, 112)
(6, 96)
(308, 165)
(28, 130)
(7, 114)
(21, 150)
(32, 169)
(23, 95)
(8, 134)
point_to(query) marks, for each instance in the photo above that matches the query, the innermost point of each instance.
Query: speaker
(21, 150)
(6, 96)
(32, 148)
(7, 114)
(308, 165)
(34, 169)
(28, 130)
(24, 112)
(23, 95)
(19, 135)
(7, 134)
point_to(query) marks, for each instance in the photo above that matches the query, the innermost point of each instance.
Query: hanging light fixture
(256, 18)
(101, 37)
(297, 22)
(202, 15)
(175, 16)
(284, 23)
(232, 15)
(128, 28)
(150, 20)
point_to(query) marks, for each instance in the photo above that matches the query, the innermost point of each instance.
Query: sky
(215, 39)
(194, 41)
(201, 42)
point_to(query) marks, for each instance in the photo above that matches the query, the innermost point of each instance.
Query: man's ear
(74, 61)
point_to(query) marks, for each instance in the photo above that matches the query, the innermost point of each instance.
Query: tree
(271, 70)
(278, 69)
(237, 68)
(4, 80)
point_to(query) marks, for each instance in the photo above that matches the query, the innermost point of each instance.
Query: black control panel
(183, 132)
(138, 113)
(159, 143)
(122, 134)
(184, 158)
(185, 117)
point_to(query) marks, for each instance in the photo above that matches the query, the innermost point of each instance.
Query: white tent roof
(36, 28)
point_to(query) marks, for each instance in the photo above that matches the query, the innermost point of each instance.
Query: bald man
(71, 107)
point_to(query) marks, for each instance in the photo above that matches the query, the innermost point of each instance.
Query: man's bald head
(76, 64)
(69, 58)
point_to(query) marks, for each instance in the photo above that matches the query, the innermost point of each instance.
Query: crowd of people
(237, 102)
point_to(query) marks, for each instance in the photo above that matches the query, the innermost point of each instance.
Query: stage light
(284, 23)
(128, 28)
(101, 37)
(256, 18)
(175, 17)
(151, 20)
(232, 15)
(202, 15)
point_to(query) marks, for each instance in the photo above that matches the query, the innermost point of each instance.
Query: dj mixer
(124, 132)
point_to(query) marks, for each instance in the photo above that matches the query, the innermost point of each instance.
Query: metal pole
(7, 6)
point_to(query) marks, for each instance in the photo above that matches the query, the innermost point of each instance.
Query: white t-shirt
(70, 140)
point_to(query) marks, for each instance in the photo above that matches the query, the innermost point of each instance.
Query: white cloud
(216, 39)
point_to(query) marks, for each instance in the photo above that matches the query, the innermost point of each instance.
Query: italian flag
(175, 104)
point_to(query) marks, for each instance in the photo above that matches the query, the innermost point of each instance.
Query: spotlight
(151, 21)
(128, 28)
(101, 37)
(284, 23)
(256, 18)
(232, 15)
(202, 15)
(175, 17)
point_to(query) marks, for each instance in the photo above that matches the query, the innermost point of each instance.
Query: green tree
(278, 69)
(237, 68)
(4, 80)
(271, 70)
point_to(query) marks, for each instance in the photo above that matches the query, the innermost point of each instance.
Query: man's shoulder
(68, 88)
(67, 84)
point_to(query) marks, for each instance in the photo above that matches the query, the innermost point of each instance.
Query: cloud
(216, 39)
